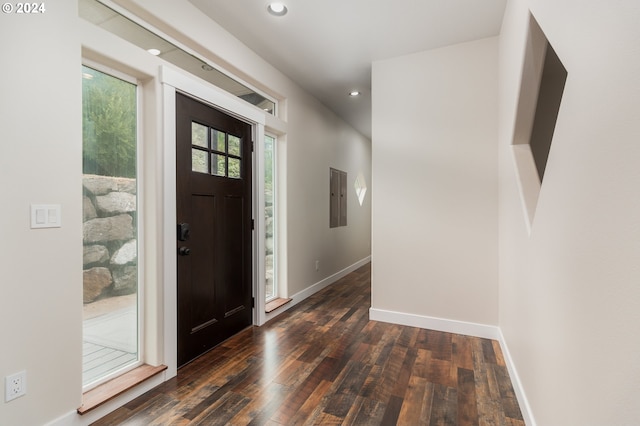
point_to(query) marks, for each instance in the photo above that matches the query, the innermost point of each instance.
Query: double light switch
(45, 216)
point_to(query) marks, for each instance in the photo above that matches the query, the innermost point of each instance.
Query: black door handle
(184, 251)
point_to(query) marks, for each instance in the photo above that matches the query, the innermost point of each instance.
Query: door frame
(173, 81)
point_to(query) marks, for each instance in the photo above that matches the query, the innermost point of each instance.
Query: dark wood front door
(213, 156)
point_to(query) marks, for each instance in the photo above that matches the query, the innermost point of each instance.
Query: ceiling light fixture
(154, 52)
(354, 93)
(277, 9)
(207, 67)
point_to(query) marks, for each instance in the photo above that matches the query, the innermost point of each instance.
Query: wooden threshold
(275, 304)
(117, 386)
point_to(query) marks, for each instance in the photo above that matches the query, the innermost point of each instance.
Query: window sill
(111, 389)
(275, 304)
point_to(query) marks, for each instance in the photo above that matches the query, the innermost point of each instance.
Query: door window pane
(234, 168)
(199, 135)
(110, 261)
(199, 162)
(218, 166)
(234, 146)
(218, 138)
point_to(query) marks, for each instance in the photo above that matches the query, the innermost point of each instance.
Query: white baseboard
(433, 323)
(469, 329)
(523, 402)
(313, 289)
(309, 291)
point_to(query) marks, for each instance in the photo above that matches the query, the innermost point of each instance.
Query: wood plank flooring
(324, 363)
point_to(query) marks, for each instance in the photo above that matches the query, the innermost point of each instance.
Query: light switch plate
(45, 216)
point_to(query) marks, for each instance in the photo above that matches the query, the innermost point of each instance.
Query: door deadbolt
(184, 231)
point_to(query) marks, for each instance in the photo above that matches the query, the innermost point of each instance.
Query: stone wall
(109, 235)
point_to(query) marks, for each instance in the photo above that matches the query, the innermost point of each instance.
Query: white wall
(315, 144)
(435, 188)
(569, 291)
(40, 134)
(40, 162)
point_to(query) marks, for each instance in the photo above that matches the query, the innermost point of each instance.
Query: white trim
(518, 388)
(213, 95)
(281, 230)
(438, 324)
(173, 81)
(313, 289)
(113, 72)
(259, 246)
(169, 240)
(469, 329)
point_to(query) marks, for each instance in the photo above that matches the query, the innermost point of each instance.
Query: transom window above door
(215, 152)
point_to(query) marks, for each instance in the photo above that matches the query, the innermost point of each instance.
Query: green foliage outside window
(269, 159)
(108, 125)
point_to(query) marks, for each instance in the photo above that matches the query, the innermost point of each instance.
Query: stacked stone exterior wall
(109, 235)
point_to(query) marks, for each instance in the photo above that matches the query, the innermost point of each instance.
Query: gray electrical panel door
(338, 198)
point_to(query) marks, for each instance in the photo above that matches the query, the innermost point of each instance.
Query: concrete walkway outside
(110, 335)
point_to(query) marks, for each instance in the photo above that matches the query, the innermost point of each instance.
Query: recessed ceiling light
(277, 9)
(154, 52)
(207, 67)
(354, 93)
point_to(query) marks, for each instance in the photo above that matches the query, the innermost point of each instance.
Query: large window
(110, 236)
(269, 216)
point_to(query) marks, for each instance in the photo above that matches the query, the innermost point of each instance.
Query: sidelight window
(269, 217)
(110, 227)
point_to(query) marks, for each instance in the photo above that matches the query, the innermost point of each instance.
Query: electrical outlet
(317, 265)
(15, 386)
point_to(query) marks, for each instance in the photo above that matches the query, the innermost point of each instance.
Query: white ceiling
(327, 46)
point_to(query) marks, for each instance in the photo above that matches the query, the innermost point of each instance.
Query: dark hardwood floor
(323, 362)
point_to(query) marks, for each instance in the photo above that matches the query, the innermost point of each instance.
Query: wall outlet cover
(15, 386)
